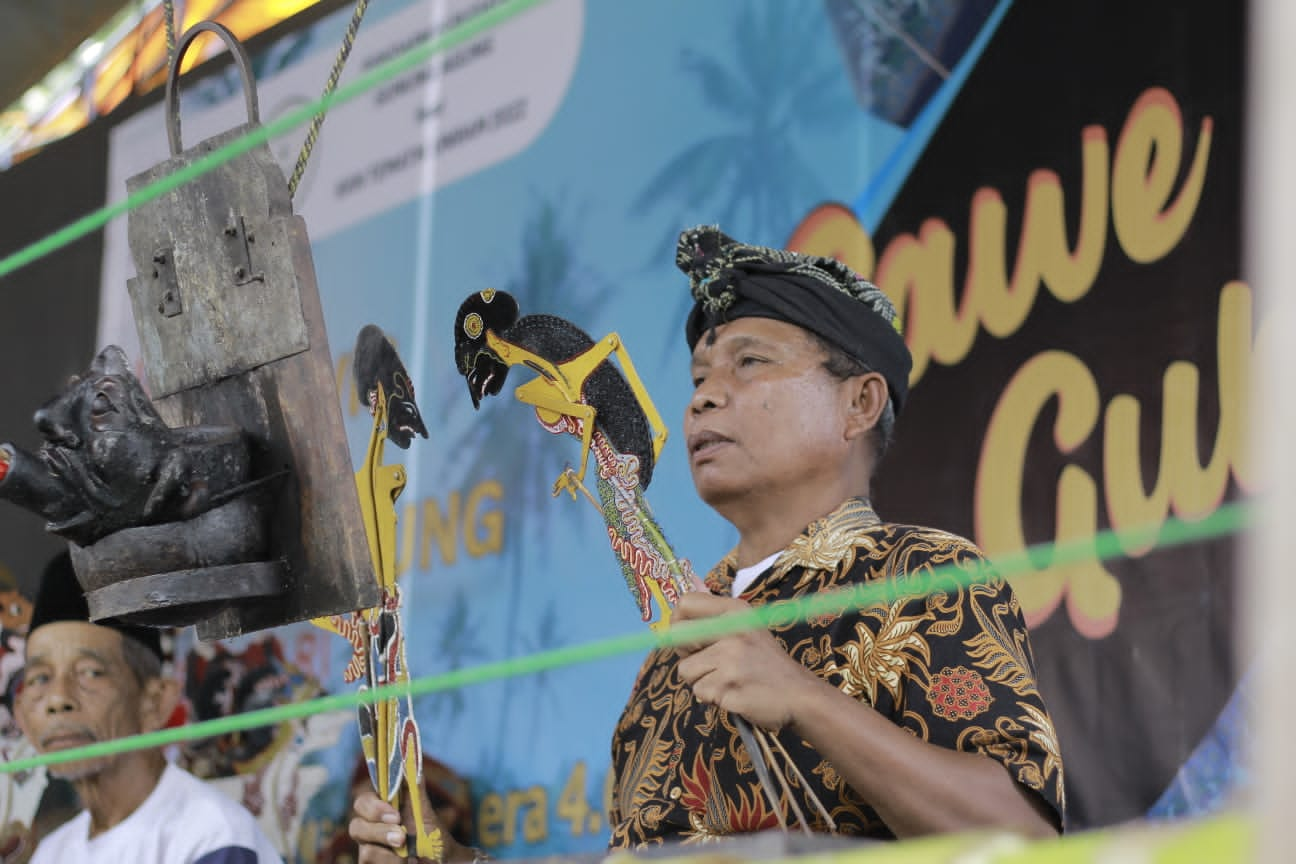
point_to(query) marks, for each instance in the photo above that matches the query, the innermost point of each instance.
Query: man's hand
(746, 673)
(378, 828)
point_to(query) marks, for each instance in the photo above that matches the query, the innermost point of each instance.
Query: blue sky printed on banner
(679, 113)
(581, 225)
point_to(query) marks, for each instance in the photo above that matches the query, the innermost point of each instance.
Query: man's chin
(719, 493)
(82, 770)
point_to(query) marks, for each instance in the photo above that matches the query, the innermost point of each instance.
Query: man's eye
(749, 360)
(35, 679)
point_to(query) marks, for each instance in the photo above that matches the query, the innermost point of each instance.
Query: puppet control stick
(389, 734)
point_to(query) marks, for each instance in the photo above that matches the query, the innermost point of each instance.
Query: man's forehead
(72, 639)
(743, 332)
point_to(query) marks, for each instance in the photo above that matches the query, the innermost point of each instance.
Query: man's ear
(158, 698)
(868, 397)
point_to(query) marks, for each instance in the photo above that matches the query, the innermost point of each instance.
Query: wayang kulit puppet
(579, 392)
(389, 734)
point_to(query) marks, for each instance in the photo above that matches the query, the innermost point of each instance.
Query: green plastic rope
(399, 64)
(1226, 520)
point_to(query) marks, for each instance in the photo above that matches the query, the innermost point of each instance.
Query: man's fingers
(697, 665)
(378, 833)
(697, 604)
(370, 807)
(374, 855)
(712, 686)
(377, 828)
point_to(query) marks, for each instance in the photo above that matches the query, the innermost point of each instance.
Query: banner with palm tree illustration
(1048, 191)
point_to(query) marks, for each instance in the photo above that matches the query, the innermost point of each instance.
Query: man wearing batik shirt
(913, 715)
(916, 714)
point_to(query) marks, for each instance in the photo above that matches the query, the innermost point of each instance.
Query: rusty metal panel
(291, 408)
(215, 293)
(232, 334)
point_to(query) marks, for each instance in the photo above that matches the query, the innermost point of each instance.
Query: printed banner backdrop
(1093, 358)
(1050, 191)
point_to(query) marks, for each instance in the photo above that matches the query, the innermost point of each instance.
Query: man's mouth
(66, 740)
(702, 443)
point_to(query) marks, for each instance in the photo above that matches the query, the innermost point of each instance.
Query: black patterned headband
(732, 280)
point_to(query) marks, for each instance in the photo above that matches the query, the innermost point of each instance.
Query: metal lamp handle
(173, 77)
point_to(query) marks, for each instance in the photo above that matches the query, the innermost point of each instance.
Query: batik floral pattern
(946, 658)
(958, 694)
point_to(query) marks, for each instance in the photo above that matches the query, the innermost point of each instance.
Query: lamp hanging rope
(169, 22)
(348, 39)
(168, 18)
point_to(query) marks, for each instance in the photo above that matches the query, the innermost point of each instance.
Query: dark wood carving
(241, 342)
(229, 500)
(142, 502)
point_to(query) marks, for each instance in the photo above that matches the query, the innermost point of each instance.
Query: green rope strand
(1227, 520)
(380, 74)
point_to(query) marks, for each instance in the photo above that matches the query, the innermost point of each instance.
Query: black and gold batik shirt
(952, 666)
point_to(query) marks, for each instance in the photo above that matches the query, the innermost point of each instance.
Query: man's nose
(59, 696)
(712, 392)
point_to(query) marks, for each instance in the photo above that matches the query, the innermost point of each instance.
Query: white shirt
(747, 575)
(182, 821)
